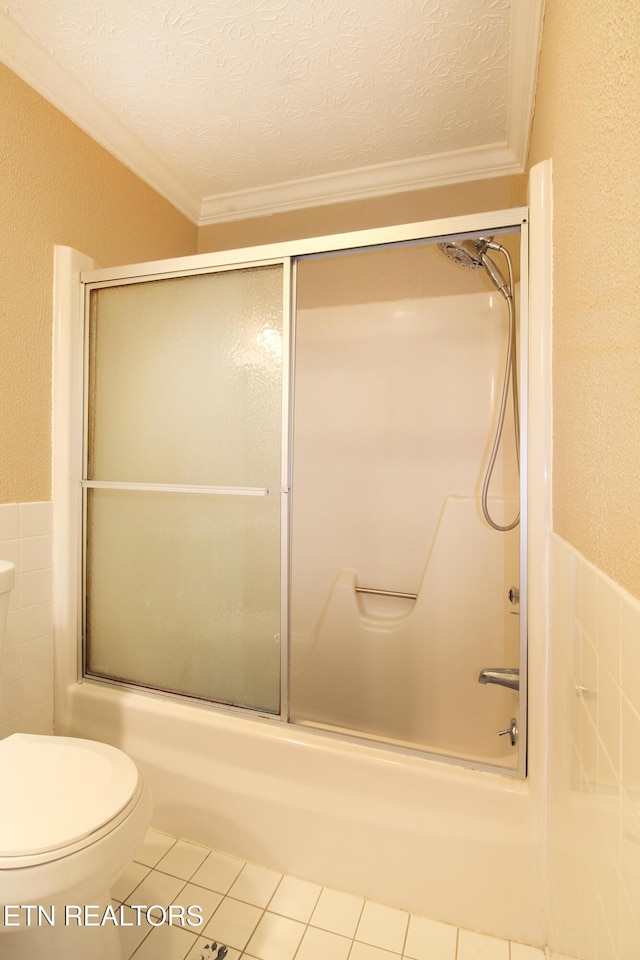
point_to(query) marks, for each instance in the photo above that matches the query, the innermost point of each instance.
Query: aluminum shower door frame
(289, 253)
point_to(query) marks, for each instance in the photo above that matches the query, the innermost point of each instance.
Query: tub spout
(502, 676)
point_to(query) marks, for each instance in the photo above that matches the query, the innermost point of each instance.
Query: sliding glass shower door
(183, 484)
(376, 602)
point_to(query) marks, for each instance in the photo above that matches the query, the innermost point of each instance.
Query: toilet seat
(59, 795)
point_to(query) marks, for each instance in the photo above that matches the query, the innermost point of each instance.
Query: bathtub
(450, 843)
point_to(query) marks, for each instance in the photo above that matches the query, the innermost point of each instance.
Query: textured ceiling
(236, 95)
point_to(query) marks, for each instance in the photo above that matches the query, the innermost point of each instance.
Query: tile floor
(259, 914)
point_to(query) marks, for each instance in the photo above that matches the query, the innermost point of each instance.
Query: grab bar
(387, 593)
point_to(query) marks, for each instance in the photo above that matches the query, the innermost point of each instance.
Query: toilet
(72, 813)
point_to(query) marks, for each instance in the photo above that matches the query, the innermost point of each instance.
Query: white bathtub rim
(249, 724)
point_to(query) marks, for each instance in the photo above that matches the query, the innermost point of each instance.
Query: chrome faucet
(502, 676)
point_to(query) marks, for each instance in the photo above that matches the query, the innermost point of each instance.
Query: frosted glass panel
(387, 479)
(183, 593)
(186, 380)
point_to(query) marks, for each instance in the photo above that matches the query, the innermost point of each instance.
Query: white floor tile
(157, 889)
(183, 859)
(166, 942)
(233, 923)
(202, 950)
(275, 938)
(429, 939)
(239, 921)
(295, 898)
(337, 912)
(382, 926)
(218, 872)
(478, 946)
(193, 896)
(521, 951)
(128, 881)
(132, 936)
(255, 885)
(364, 951)
(321, 945)
(153, 847)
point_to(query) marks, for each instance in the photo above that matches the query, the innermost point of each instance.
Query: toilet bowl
(72, 812)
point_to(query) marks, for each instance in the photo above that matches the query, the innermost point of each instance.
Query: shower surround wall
(395, 408)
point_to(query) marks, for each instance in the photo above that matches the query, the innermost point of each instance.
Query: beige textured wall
(57, 185)
(499, 193)
(586, 120)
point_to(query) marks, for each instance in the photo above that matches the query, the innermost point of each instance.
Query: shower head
(465, 253)
(472, 255)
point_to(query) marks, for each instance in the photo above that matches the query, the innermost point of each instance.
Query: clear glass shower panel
(183, 593)
(399, 587)
(180, 369)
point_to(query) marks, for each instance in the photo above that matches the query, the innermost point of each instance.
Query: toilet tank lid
(58, 790)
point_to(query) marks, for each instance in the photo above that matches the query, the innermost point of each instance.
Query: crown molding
(526, 23)
(363, 183)
(36, 67)
(41, 71)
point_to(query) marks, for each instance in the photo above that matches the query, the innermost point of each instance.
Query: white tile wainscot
(26, 681)
(594, 756)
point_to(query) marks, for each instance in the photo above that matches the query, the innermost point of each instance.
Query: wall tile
(35, 621)
(9, 522)
(35, 587)
(608, 625)
(630, 750)
(629, 929)
(11, 665)
(13, 628)
(594, 770)
(35, 689)
(608, 722)
(26, 680)
(36, 519)
(36, 553)
(36, 655)
(630, 652)
(10, 701)
(37, 720)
